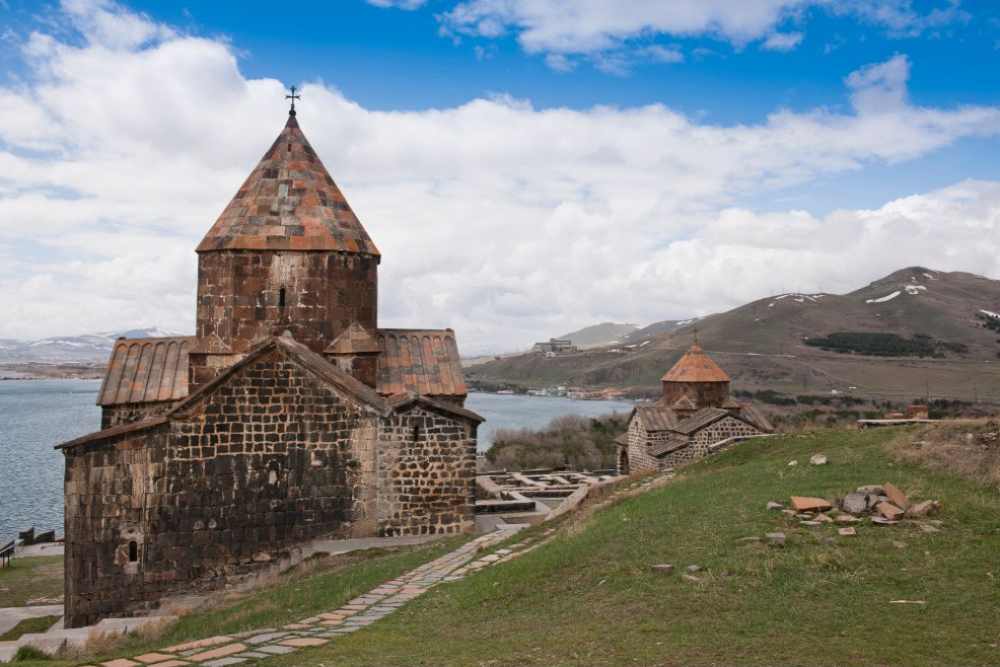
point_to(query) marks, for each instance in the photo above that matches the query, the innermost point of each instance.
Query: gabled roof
(114, 432)
(400, 402)
(671, 444)
(422, 361)
(309, 360)
(656, 417)
(146, 370)
(695, 366)
(289, 202)
(355, 339)
(701, 419)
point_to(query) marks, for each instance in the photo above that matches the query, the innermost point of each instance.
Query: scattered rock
(881, 521)
(907, 601)
(663, 568)
(818, 460)
(855, 503)
(693, 568)
(802, 503)
(928, 528)
(889, 511)
(846, 518)
(849, 531)
(810, 523)
(772, 505)
(871, 489)
(693, 579)
(793, 462)
(748, 540)
(776, 539)
(896, 497)
(823, 518)
(924, 508)
(789, 512)
(804, 515)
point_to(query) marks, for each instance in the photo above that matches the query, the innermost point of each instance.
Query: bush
(578, 443)
(30, 654)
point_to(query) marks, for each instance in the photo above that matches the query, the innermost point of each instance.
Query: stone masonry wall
(725, 428)
(427, 472)
(269, 458)
(240, 296)
(638, 453)
(106, 485)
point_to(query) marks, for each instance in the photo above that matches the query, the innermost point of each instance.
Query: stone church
(694, 416)
(289, 415)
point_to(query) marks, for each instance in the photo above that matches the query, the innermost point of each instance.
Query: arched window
(281, 298)
(133, 551)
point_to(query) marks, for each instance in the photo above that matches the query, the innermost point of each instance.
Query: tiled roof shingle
(145, 370)
(695, 366)
(421, 361)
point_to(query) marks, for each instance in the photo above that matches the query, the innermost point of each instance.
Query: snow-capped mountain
(86, 348)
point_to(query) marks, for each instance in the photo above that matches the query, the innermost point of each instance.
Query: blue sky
(502, 124)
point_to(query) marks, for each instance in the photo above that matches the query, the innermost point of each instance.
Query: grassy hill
(763, 345)
(589, 597)
(605, 333)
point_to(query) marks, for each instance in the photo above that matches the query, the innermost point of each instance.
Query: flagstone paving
(322, 628)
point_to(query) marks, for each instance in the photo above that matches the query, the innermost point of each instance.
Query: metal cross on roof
(292, 97)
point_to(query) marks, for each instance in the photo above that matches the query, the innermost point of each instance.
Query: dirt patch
(970, 450)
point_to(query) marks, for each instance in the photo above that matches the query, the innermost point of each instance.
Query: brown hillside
(762, 344)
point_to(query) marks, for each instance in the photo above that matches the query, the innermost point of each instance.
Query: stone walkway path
(322, 628)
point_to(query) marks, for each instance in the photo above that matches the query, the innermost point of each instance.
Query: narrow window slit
(281, 298)
(133, 551)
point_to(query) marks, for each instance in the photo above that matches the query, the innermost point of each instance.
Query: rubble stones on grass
(663, 568)
(793, 463)
(882, 521)
(848, 531)
(855, 503)
(846, 518)
(889, 511)
(896, 497)
(693, 568)
(818, 460)
(690, 577)
(752, 539)
(803, 503)
(773, 505)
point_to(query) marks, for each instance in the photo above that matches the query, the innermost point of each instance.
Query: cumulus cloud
(782, 41)
(398, 4)
(504, 221)
(602, 29)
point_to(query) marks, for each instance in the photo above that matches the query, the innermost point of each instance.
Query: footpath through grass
(29, 579)
(320, 585)
(589, 598)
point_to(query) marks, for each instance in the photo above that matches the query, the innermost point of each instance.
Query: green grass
(320, 585)
(30, 578)
(29, 625)
(588, 597)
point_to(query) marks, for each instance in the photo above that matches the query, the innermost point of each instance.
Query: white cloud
(499, 219)
(782, 41)
(398, 4)
(603, 29)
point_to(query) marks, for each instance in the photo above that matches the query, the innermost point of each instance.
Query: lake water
(37, 414)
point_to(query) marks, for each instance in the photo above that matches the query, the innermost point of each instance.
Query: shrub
(579, 443)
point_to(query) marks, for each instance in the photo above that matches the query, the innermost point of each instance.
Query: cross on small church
(292, 97)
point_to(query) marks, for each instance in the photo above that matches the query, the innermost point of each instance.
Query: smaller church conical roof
(289, 202)
(695, 366)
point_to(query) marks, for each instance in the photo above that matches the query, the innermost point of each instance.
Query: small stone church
(694, 416)
(290, 415)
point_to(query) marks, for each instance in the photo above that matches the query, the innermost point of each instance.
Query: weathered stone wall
(727, 427)
(269, 458)
(107, 485)
(639, 459)
(240, 297)
(127, 413)
(426, 473)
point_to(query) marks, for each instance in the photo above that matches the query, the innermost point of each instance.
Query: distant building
(694, 414)
(555, 346)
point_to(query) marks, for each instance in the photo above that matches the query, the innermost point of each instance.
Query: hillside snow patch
(990, 313)
(915, 289)
(883, 299)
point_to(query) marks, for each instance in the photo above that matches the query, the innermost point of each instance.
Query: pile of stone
(884, 505)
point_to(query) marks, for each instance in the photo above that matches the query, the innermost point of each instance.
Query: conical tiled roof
(289, 202)
(695, 366)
